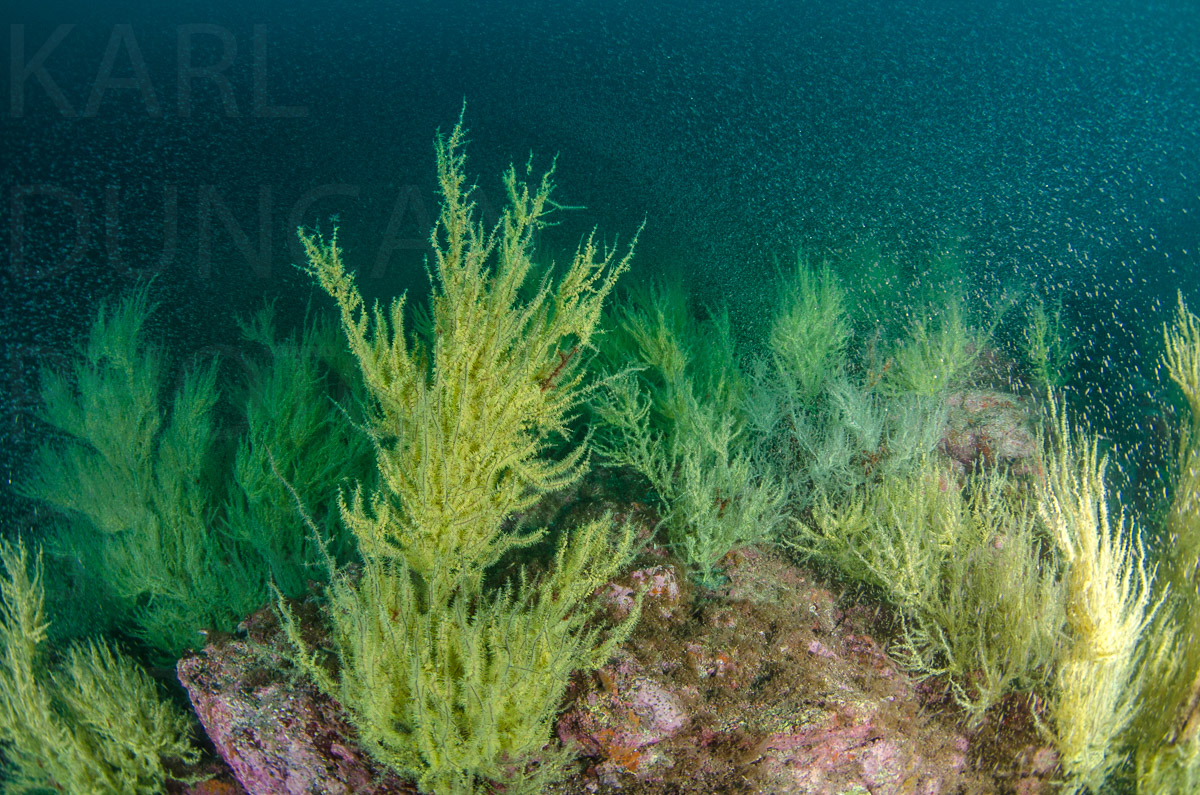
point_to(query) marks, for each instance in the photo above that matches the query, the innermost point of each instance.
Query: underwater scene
(778, 396)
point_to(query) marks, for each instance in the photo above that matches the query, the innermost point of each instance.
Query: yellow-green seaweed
(446, 681)
(96, 724)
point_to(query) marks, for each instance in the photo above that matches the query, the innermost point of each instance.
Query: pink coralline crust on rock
(767, 684)
(833, 755)
(660, 584)
(629, 713)
(663, 712)
(277, 732)
(852, 750)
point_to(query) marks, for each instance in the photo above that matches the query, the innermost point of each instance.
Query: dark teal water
(1051, 144)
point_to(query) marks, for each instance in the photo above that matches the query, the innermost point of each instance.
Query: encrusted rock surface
(276, 731)
(990, 428)
(774, 684)
(769, 686)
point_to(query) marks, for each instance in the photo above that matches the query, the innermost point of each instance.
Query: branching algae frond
(133, 476)
(679, 421)
(447, 682)
(96, 724)
(462, 423)
(1168, 729)
(1108, 606)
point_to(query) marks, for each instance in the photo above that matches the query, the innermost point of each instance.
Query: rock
(990, 428)
(766, 686)
(277, 732)
(622, 722)
(220, 784)
(775, 683)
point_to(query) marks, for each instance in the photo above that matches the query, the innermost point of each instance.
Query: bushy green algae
(93, 725)
(446, 681)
